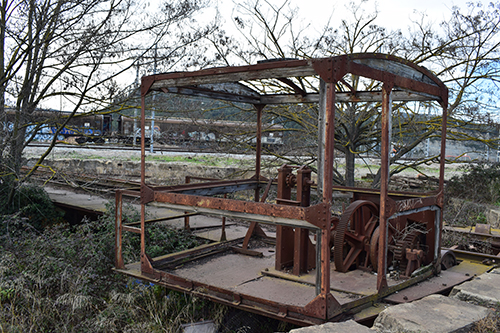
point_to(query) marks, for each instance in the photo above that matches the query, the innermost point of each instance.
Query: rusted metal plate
(290, 68)
(235, 92)
(278, 290)
(482, 228)
(397, 68)
(355, 283)
(438, 284)
(226, 271)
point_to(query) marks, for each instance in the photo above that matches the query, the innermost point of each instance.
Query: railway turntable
(318, 267)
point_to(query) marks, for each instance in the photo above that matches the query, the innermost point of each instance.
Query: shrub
(31, 202)
(479, 183)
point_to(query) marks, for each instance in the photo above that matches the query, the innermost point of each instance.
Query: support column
(284, 235)
(118, 230)
(258, 147)
(329, 118)
(384, 184)
(304, 257)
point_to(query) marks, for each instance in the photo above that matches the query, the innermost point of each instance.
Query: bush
(479, 183)
(31, 202)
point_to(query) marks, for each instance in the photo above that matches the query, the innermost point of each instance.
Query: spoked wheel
(374, 246)
(353, 234)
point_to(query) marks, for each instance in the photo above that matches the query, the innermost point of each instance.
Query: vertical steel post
(384, 184)
(258, 148)
(327, 183)
(439, 225)
(284, 235)
(321, 136)
(223, 228)
(186, 218)
(118, 230)
(442, 157)
(143, 180)
(301, 257)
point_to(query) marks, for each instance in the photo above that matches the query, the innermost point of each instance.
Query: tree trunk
(16, 154)
(350, 160)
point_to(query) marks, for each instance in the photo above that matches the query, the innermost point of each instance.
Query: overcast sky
(393, 14)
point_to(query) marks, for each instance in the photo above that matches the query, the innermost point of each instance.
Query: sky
(393, 14)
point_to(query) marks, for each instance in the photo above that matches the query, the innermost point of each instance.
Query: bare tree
(78, 51)
(463, 52)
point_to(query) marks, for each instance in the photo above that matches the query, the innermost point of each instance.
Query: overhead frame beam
(360, 96)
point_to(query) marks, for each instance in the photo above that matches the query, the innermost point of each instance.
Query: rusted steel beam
(246, 302)
(211, 184)
(251, 98)
(248, 207)
(414, 203)
(167, 218)
(174, 259)
(145, 264)
(247, 252)
(377, 66)
(131, 229)
(284, 234)
(394, 194)
(304, 251)
(258, 147)
(254, 226)
(206, 190)
(384, 186)
(288, 68)
(223, 227)
(131, 193)
(403, 82)
(444, 104)
(311, 222)
(358, 96)
(186, 219)
(327, 189)
(118, 230)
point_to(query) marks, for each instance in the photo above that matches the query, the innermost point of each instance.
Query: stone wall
(156, 172)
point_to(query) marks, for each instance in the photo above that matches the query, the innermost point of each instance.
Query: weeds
(490, 324)
(61, 279)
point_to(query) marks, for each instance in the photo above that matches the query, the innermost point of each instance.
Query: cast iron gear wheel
(409, 241)
(352, 235)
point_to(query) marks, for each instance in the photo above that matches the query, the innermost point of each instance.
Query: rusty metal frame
(401, 81)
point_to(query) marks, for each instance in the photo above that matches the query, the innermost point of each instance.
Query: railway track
(129, 148)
